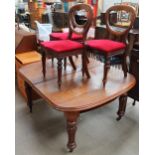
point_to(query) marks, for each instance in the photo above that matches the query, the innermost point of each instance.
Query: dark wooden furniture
(60, 19)
(113, 18)
(134, 69)
(116, 45)
(133, 37)
(76, 95)
(66, 48)
(25, 41)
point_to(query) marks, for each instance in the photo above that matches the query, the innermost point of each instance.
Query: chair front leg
(106, 69)
(59, 71)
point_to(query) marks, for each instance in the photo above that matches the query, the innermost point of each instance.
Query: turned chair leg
(44, 63)
(122, 106)
(59, 71)
(71, 129)
(124, 65)
(106, 69)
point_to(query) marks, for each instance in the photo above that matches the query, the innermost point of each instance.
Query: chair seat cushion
(105, 45)
(64, 36)
(61, 45)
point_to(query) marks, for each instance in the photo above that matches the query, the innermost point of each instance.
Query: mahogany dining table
(77, 94)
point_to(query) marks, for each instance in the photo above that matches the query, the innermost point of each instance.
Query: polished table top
(77, 93)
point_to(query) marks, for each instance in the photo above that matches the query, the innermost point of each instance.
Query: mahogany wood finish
(71, 129)
(73, 28)
(24, 41)
(124, 33)
(77, 95)
(122, 106)
(116, 34)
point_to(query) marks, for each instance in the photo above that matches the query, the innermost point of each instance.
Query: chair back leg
(124, 65)
(106, 69)
(59, 71)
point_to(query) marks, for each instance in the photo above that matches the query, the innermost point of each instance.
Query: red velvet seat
(61, 45)
(106, 45)
(64, 36)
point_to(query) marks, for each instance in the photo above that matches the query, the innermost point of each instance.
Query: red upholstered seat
(62, 45)
(64, 36)
(105, 45)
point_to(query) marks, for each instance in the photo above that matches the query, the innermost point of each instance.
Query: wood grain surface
(77, 93)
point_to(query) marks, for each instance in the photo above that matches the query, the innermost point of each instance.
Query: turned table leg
(28, 90)
(122, 106)
(71, 129)
(134, 103)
